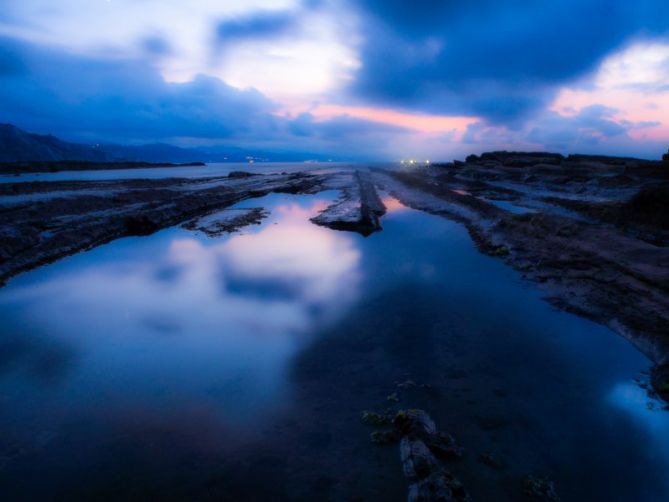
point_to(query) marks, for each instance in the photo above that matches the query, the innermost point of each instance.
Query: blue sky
(373, 79)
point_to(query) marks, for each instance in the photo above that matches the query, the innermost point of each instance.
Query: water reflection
(208, 319)
(237, 367)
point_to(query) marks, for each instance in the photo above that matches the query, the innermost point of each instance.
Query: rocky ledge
(42, 222)
(591, 231)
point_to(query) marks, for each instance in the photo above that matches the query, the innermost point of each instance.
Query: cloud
(127, 101)
(596, 129)
(123, 99)
(498, 59)
(157, 46)
(256, 26)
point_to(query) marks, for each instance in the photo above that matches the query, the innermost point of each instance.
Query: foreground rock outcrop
(42, 222)
(592, 232)
(423, 449)
(359, 209)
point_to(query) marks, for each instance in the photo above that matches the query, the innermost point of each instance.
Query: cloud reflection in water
(229, 313)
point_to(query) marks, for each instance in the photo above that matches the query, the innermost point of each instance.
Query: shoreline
(34, 167)
(590, 232)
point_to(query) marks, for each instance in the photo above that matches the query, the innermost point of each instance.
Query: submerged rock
(418, 462)
(541, 489)
(373, 418)
(429, 480)
(414, 423)
(384, 437)
(440, 486)
(421, 448)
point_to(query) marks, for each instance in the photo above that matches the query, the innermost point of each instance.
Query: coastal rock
(660, 380)
(67, 217)
(541, 489)
(358, 209)
(421, 447)
(417, 460)
(595, 237)
(440, 486)
(414, 423)
(429, 481)
(665, 158)
(226, 221)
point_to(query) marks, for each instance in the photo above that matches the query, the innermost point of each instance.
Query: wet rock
(444, 446)
(429, 480)
(373, 418)
(358, 209)
(597, 242)
(440, 486)
(500, 251)
(393, 398)
(414, 422)
(418, 462)
(660, 380)
(540, 489)
(140, 225)
(226, 221)
(33, 233)
(384, 437)
(491, 460)
(421, 449)
(418, 424)
(240, 174)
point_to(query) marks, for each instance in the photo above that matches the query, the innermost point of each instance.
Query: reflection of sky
(196, 336)
(188, 315)
(647, 415)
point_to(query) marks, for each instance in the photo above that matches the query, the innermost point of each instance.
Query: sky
(366, 79)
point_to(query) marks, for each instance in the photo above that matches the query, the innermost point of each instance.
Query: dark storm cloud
(499, 59)
(86, 99)
(122, 99)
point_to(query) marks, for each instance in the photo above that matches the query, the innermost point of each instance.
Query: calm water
(212, 169)
(179, 367)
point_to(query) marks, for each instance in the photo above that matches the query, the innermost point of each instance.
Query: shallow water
(182, 367)
(212, 169)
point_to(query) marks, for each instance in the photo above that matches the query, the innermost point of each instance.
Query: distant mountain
(19, 145)
(158, 152)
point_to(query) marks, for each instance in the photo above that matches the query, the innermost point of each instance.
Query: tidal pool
(181, 367)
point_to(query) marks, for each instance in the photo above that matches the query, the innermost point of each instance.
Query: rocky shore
(81, 165)
(42, 222)
(592, 232)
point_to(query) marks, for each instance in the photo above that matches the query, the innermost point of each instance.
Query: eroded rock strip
(358, 209)
(226, 221)
(33, 233)
(596, 267)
